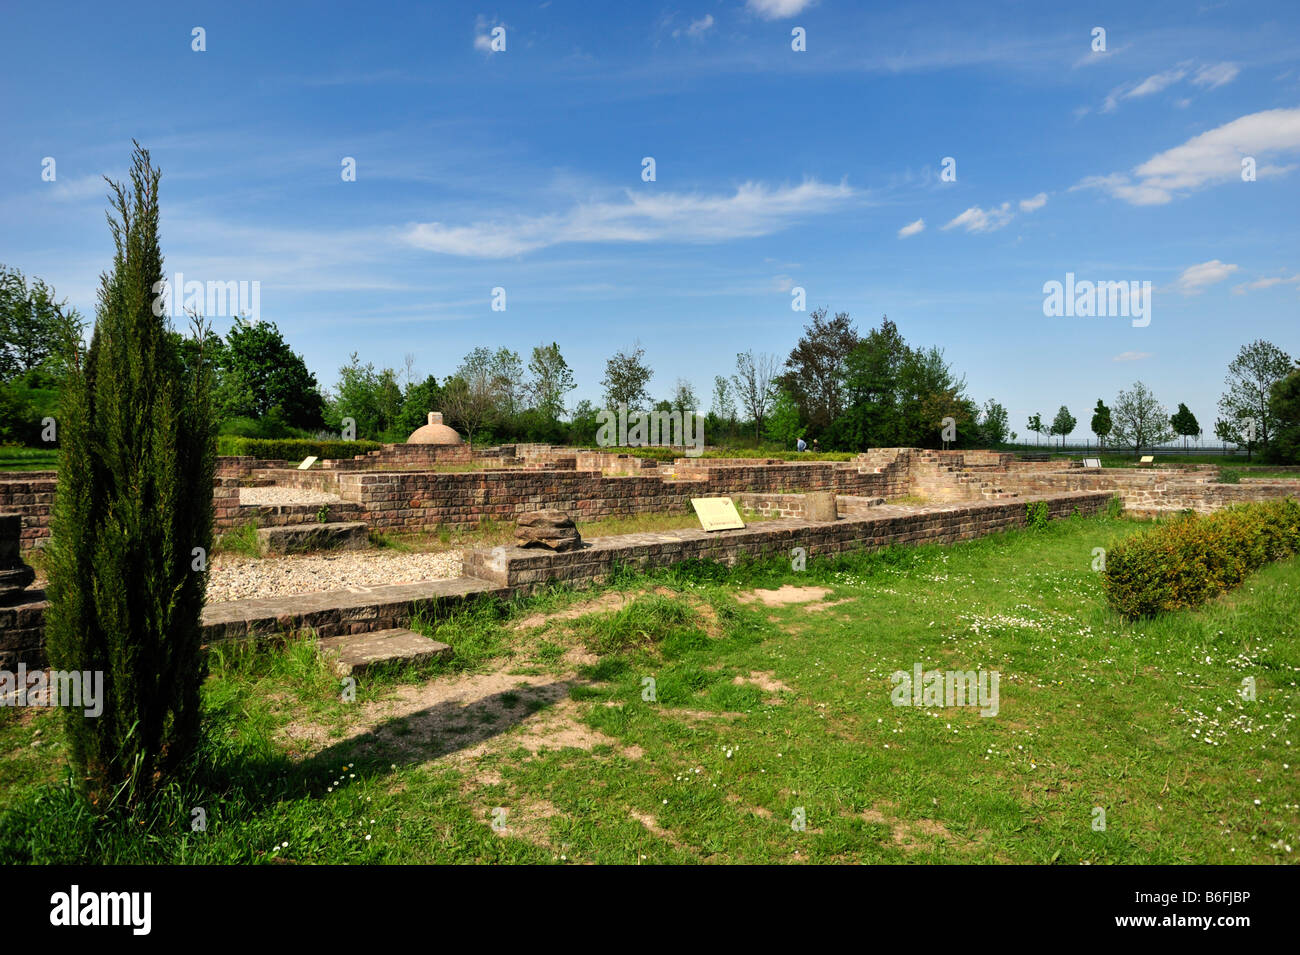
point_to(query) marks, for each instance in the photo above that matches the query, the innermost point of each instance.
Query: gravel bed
(236, 578)
(285, 495)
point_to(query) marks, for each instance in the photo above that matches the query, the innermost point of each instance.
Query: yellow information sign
(717, 513)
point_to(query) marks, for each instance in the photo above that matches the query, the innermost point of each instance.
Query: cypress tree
(137, 446)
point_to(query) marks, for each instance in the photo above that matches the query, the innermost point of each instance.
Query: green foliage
(1229, 476)
(1139, 420)
(1115, 507)
(1036, 515)
(371, 398)
(262, 376)
(1248, 389)
(1191, 559)
(783, 425)
(1101, 421)
(1063, 424)
(551, 382)
(895, 395)
(31, 322)
(136, 462)
(626, 377)
(420, 398)
(994, 423)
(292, 449)
(1284, 403)
(1184, 423)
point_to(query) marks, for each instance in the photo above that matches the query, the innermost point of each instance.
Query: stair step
(293, 538)
(356, 652)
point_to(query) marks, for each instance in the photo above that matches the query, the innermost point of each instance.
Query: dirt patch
(653, 827)
(529, 821)
(607, 601)
(824, 606)
(787, 594)
(765, 680)
(916, 834)
(465, 717)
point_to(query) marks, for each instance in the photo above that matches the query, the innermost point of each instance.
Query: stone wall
(1150, 491)
(29, 494)
(524, 570)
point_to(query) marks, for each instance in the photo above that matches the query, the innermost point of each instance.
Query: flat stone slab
(355, 653)
(339, 612)
(296, 538)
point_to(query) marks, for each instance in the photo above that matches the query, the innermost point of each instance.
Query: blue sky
(522, 169)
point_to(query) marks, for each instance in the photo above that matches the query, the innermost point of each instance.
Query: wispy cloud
(483, 28)
(1207, 76)
(1034, 203)
(1197, 278)
(1210, 158)
(753, 210)
(777, 9)
(1131, 356)
(976, 219)
(911, 229)
(1213, 76)
(697, 28)
(1267, 282)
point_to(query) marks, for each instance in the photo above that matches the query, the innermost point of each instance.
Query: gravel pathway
(285, 495)
(236, 578)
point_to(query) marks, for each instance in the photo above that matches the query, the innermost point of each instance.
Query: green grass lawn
(760, 713)
(16, 458)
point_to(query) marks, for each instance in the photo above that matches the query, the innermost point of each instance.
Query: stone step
(355, 653)
(295, 538)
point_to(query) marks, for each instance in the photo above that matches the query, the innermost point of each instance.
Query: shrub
(1229, 476)
(292, 449)
(1036, 514)
(132, 519)
(1193, 558)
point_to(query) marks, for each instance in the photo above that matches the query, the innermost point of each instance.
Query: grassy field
(15, 458)
(536, 742)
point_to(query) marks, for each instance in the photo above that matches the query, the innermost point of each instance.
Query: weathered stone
(354, 653)
(296, 538)
(820, 506)
(552, 529)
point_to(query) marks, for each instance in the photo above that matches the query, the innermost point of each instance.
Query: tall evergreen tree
(131, 524)
(1101, 422)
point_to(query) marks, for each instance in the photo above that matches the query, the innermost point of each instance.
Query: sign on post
(717, 513)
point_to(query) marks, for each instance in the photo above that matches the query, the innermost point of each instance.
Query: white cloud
(697, 28)
(753, 210)
(1131, 356)
(1268, 282)
(976, 219)
(1034, 203)
(483, 32)
(1215, 75)
(911, 229)
(1207, 76)
(1156, 83)
(777, 9)
(1197, 278)
(1210, 158)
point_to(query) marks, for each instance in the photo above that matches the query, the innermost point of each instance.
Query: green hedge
(1188, 561)
(292, 449)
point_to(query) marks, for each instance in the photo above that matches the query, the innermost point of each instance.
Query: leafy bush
(1188, 561)
(1036, 514)
(1229, 476)
(292, 449)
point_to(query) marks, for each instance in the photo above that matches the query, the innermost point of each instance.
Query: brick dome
(435, 432)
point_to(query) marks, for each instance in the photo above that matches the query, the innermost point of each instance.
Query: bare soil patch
(785, 595)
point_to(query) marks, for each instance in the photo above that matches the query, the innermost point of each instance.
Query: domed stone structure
(435, 432)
